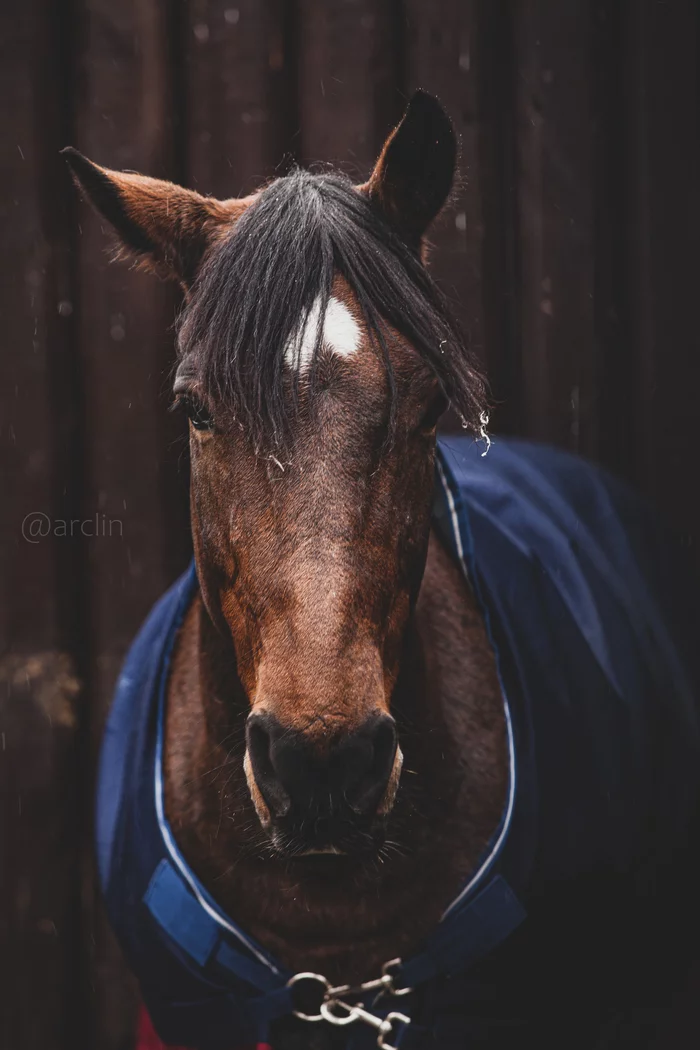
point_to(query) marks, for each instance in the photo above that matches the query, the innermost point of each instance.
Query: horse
(328, 699)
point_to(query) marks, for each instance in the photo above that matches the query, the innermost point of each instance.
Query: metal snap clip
(320, 979)
(389, 1022)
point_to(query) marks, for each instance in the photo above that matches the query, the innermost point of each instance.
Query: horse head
(315, 357)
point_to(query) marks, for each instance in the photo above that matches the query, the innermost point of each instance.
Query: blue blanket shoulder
(593, 614)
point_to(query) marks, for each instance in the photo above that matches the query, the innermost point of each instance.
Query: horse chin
(349, 846)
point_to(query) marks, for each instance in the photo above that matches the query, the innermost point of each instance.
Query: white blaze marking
(341, 334)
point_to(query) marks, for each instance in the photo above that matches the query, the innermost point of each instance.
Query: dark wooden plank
(663, 261)
(27, 568)
(241, 93)
(616, 364)
(442, 56)
(39, 689)
(552, 42)
(497, 167)
(124, 119)
(349, 73)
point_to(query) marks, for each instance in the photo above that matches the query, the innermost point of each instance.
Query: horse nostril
(260, 744)
(372, 754)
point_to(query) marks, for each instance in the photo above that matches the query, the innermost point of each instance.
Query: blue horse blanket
(593, 615)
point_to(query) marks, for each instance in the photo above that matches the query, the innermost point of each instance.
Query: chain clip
(336, 1011)
(384, 985)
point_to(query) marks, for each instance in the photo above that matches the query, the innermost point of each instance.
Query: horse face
(311, 561)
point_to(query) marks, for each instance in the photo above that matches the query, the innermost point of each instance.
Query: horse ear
(413, 176)
(164, 226)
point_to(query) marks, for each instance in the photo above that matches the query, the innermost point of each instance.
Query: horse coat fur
(592, 614)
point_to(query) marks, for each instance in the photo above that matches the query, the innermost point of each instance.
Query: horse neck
(450, 717)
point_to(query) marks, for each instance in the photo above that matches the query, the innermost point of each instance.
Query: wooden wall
(571, 253)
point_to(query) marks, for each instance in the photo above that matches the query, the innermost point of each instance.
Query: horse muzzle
(322, 799)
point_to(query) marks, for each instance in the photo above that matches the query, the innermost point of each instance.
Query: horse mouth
(322, 842)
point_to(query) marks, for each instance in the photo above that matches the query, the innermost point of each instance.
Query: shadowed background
(570, 250)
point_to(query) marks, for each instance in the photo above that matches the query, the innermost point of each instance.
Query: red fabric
(147, 1037)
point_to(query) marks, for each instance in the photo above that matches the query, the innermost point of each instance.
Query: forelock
(265, 293)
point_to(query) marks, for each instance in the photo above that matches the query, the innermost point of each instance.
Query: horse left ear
(166, 227)
(413, 176)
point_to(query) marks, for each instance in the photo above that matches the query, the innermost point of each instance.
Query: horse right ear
(166, 227)
(413, 176)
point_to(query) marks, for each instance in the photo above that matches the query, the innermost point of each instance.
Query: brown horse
(336, 755)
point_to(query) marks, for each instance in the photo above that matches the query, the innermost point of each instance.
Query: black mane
(259, 285)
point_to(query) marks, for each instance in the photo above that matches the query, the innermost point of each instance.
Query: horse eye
(198, 414)
(433, 412)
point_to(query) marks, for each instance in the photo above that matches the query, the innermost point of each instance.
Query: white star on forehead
(341, 334)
